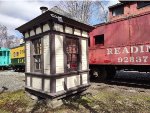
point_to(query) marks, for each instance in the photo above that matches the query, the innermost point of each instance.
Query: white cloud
(17, 12)
(112, 2)
(14, 13)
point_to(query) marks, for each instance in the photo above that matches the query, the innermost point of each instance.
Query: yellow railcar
(18, 58)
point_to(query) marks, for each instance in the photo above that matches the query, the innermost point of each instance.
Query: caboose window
(37, 54)
(99, 39)
(143, 4)
(118, 11)
(72, 50)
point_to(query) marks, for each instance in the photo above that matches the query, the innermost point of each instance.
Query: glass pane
(37, 66)
(37, 58)
(37, 46)
(72, 53)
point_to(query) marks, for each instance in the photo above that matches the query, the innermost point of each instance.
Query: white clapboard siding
(59, 54)
(77, 32)
(28, 81)
(85, 78)
(46, 54)
(73, 81)
(68, 30)
(60, 84)
(38, 30)
(37, 83)
(32, 33)
(47, 85)
(26, 35)
(84, 54)
(58, 27)
(46, 27)
(28, 56)
(84, 34)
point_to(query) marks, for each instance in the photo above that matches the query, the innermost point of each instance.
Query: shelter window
(72, 49)
(37, 53)
(118, 11)
(99, 39)
(143, 4)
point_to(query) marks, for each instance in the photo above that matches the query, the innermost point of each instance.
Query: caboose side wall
(130, 9)
(126, 42)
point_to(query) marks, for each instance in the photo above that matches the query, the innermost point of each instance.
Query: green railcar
(4, 58)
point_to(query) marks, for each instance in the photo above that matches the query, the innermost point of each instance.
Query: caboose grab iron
(56, 55)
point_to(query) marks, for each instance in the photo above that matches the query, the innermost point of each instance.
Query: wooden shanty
(56, 55)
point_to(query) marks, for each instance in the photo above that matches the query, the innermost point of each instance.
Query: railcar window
(4, 53)
(143, 4)
(17, 54)
(118, 11)
(37, 54)
(99, 40)
(0, 53)
(14, 54)
(72, 49)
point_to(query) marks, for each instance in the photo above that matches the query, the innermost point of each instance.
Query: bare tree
(85, 10)
(5, 40)
(3, 35)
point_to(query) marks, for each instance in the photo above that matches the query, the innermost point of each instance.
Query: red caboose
(123, 42)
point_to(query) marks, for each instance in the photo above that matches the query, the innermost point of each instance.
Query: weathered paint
(28, 56)
(38, 30)
(130, 9)
(125, 42)
(84, 54)
(77, 32)
(46, 27)
(54, 78)
(68, 30)
(73, 81)
(58, 27)
(4, 56)
(32, 33)
(59, 54)
(46, 54)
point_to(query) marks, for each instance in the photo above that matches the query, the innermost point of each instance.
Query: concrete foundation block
(54, 103)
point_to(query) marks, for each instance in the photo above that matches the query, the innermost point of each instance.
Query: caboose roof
(47, 16)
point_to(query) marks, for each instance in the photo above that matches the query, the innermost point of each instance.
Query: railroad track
(130, 83)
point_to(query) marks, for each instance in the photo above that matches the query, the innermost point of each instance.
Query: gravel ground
(11, 81)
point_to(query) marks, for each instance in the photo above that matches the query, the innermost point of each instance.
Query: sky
(14, 13)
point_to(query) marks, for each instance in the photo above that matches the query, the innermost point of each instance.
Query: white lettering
(138, 59)
(134, 49)
(125, 50)
(117, 50)
(131, 59)
(125, 59)
(109, 51)
(147, 48)
(145, 58)
(119, 59)
(141, 48)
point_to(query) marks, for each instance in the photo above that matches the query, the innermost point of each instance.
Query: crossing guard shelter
(56, 55)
